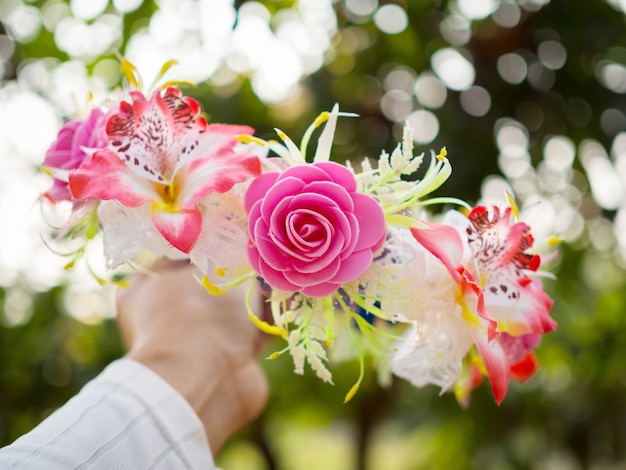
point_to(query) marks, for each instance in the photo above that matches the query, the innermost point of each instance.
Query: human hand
(204, 346)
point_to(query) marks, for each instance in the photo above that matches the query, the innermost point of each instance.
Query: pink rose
(310, 231)
(72, 147)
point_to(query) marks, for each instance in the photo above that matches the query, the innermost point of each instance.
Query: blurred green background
(527, 95)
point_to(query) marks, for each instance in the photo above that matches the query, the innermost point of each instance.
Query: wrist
(201, 385)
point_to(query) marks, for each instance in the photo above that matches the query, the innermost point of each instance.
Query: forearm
(126, 418)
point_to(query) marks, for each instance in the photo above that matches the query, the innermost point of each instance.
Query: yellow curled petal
(351, 393)
(266, 327)
(211, 288)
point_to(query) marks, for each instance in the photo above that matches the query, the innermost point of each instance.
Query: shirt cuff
(172, 414)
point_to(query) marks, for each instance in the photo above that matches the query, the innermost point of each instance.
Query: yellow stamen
(130, 72)
(266, 327)
(210, 287)
(178, 83)
(221, 272)
(351, 393)
(443, 153)
(513, 205)
(274, 355)
(554, 240)
(321, 119)
(250, 139)
(166, 66)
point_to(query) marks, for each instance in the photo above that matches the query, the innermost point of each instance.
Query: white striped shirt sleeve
(126, 418)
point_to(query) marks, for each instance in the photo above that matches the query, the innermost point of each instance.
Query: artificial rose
(310, 230)
(75, 142)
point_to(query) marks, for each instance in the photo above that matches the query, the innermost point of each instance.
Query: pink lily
(499, 246)
(523, 363)
(513, 303)
(162, 152)
(445, 243)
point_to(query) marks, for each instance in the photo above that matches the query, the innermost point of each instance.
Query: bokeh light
(512, 68)
(391, 19)
(476, 101)
(454, 70)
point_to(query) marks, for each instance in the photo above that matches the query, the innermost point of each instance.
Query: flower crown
(340, 253)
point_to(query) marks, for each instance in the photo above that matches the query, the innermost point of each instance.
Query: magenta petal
(58, 192)
(353, 266)
(371, 220)
(315, 264)
(57, 156)
(353, 233)
(340, 221)
(334, 192)
(253, 216)
(254, 257)
(310, 279)
(268, 250)
(339, 174)
(309, 232)
(282, 189)
(277, 223)
(275, 278)
(258, 188)
(321, 290)
(305, 173)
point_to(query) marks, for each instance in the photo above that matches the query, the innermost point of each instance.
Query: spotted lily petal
(161, 150)
(106, 177)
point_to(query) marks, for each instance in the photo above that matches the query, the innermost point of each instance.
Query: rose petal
(334, 192)
(339, 174)
(321, 290)
(268, 249)
(353, 266)
(371, 219)
(275, 278)
(258, 188)
(314, 263)
(305, 173)
(352, 233)
(311, 279)
(309, 231)
(282, 189)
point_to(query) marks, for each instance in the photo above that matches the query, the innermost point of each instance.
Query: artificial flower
(310, 230)
(163, 153)
(486, 255)
(74, 144)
